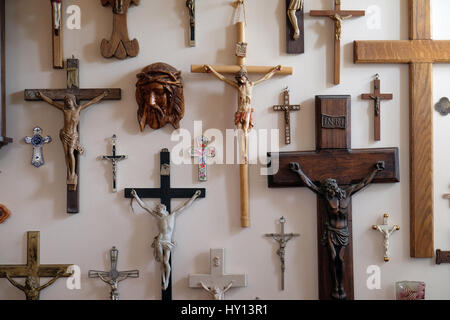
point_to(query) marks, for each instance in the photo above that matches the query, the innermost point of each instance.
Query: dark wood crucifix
(34, 270)
(57, 27)
(166, 193)
(335, 172)
(420, 52)
(120, 45)
(71, 109)
(377, 96)
(337, 15)
(286, 107)
(295, 31)
(4, 140)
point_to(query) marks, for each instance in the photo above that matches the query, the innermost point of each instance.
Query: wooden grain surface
(295, 46)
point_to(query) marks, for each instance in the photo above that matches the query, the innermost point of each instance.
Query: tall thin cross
(202, 152)
(282, 238)
(377, 96)
(34, 270)
(4, 140)
(287, 108)
(73, 90)
(243, 117)
(57, 28)
(114, 158)
(420, 52)
(190, 4)
(166, 193)
(217, 282)
(37, 141)
(337, 15)
(386, 230)
(113, 277)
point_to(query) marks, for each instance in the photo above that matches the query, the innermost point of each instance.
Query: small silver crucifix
(287, 108)
(386, 231)
(113, 277)
(114, 159)
(37, 141)
(282, 238)
(203, 152)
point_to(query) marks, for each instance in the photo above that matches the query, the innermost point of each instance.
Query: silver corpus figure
(294, 6)
(114, 159)
(216, 292)
(163, 243)
(113, 277)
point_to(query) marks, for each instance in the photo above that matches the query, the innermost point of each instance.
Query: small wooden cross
(37, 141)
(287, 108)
(57, 39)
(377, 96)
(386, 230)
(217, 281)
(4, 213)
(337, 15)
(113, 277)
(34, 270)
(203, 152)
(282, 238)
(114, 158)
(190, 4)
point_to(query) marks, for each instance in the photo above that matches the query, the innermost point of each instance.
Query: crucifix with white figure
(387, 231)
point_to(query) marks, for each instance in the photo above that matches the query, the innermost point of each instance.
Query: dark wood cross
(377, 96)
(337, 15)
(287, 108)
(34, 270)
(120, 45)
(420, 52)
(334, 159)
(4, 140)
(73, 88)
(166, 193)
(295, 43)
(442, 256)
(57, 39)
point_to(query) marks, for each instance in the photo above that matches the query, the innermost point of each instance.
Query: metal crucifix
(190, 4)
(282, 238)
(114, 158)
(37, 141)
(287, 108)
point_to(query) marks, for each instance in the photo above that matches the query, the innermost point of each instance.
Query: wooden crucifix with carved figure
(337, 15)
(420, 52)
(72, 108)
(244, 116)
(335, 172)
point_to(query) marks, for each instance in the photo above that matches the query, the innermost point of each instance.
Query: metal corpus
(203, 152)
(282, 239)
(114, 159)
(113, 277)
(287, 108)
(443, 106)
(37, 141)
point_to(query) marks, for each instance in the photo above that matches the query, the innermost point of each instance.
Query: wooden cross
(190, 4)
(57, 28)
(4, 140)
(34, 270)
(295, 30)
(386, 230)
(337, 15)
(442, 256)
(73, 88)
(287, 108)
(114, 158)
(420, 52)
(334, 159)
(202, 152)
(120, 45)
(217, 279)
(377, 96)
(166, 193)
(4, 213)
(239, 68)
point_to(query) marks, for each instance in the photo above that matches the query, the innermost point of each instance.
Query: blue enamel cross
(37, 141)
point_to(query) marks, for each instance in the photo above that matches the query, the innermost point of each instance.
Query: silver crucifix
(113, 277)
(37, 141)
(282, 238)
(114, 159)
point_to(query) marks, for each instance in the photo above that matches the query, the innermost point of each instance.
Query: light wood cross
(243, 118)
(337, 15)
(57, 27)
(287, 108)
(420, 52)
(34, 270)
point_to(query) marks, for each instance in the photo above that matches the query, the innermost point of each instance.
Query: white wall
(36, 197)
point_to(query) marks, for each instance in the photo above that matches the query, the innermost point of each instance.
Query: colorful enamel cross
(203, 152)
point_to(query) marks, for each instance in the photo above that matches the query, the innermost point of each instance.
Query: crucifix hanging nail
(37, 141)
(286, 107)
(114, 158)
(202, 152)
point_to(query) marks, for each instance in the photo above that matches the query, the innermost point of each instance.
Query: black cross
(165, 194)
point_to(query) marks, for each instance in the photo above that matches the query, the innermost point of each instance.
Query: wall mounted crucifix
(71, 109)
(34, 270)
(243, 118)
(334, 172)
(114, 158)
(37, 141)
(4, 140)
(286, 107)
(295, 31)
(420, 52)
(166, 193)
(57, 27)
(377, 96)
(337, 15)
(387, 231)
(190, 4)
(202, 152)
(119, 45)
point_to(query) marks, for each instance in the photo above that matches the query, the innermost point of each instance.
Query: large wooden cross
(235, 69)
(420, 52)
(73, 88)
(337, 15)
(334, 159)
(34, 269)
(4, 140)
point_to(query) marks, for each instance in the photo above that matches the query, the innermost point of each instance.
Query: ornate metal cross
(386, 231)
(114, 158)
(113, 277)
(37, 141)
(203, 152)
(282, 238)
(287, 108)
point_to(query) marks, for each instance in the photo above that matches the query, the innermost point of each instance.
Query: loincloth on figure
(240, 118)
(161, 245)
(71, 141)
(339, 237)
